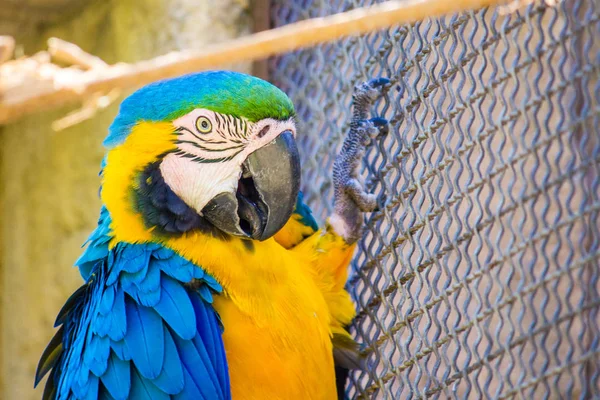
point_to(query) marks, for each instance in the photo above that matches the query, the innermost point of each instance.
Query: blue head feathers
(225, 92)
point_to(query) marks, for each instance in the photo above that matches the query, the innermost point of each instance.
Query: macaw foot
(351, 198)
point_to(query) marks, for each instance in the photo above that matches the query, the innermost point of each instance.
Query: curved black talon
(382, 124)
(377, 82)
(365, 94)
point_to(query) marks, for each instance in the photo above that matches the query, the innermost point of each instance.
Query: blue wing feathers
(209, 328)
(197, 368)
(103, 394)
(176, 267)
(190, 390)
(205, 293)
(145, 338)
(120, 349)
(202, 350)
(69, 304)
(208, 342)
(305, 213)
(199, 274)
(144, 389)
(91, 389)
(117, 322)
(92, 254)
(150, 282)
(170, 379)
(86, 387)
(133, 330)
(134, 258)
(162, 253)
(50, 388)
(148, 299)
(176, 308)
(117, 378)
(134, 278)
(213, 284)
(210, 367)
(96, 355)
(50, 356)
(206, 330)
(108, 300)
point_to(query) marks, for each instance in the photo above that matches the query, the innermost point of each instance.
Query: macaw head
(212, 151)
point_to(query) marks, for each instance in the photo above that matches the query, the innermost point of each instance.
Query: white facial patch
(211, 150)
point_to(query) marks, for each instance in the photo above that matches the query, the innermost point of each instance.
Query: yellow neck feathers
(144, 145)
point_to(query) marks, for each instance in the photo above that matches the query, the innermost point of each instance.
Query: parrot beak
(266, 193)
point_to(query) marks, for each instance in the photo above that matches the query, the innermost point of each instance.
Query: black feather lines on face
(228, 128)
(164, 211)
(181, 129)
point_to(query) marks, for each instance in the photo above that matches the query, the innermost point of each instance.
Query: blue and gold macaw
(207, 277)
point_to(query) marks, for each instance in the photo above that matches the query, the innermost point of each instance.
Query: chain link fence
(480, 277)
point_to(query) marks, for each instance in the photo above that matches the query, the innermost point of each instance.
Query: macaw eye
(203, 125)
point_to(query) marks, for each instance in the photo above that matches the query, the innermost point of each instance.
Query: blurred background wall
(49, 180)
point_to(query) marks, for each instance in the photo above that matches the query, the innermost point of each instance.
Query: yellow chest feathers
(277, 323)
(283, 353)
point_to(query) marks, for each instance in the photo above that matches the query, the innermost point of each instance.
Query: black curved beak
(266, 193)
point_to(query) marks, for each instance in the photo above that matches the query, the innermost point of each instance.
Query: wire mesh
(480, 276)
